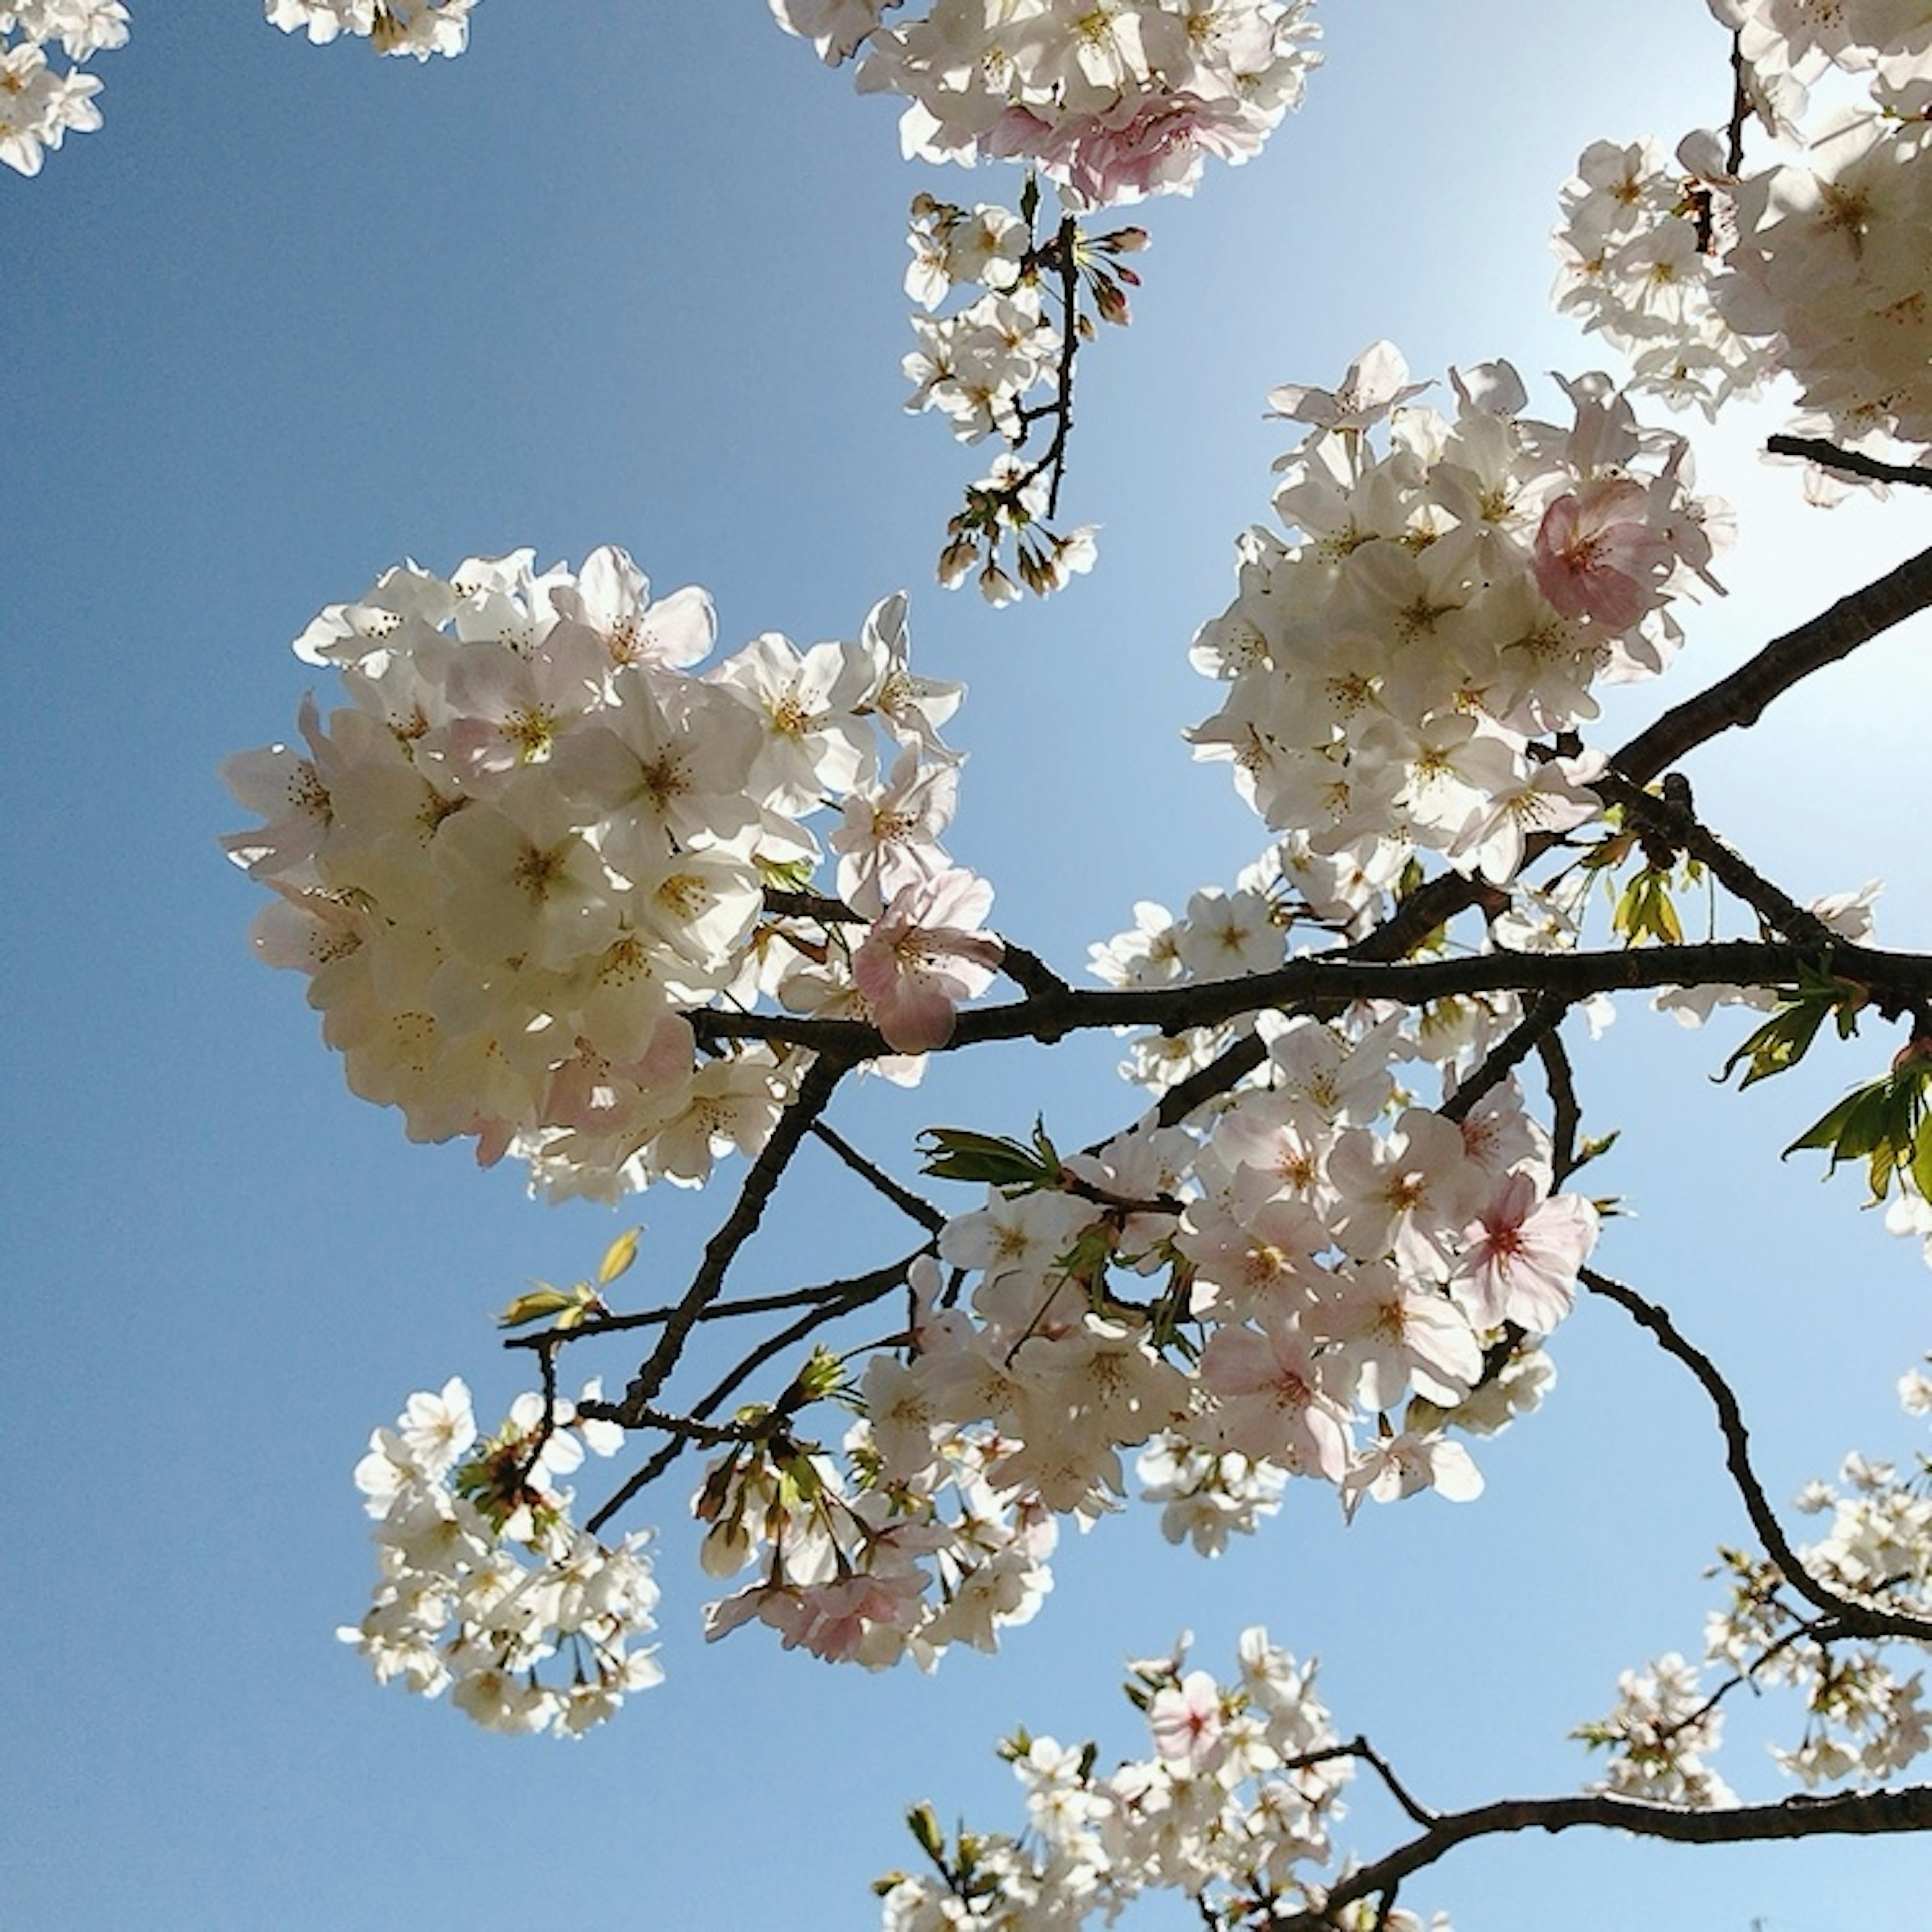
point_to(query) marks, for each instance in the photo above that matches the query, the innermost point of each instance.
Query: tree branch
(1849, 462)
(913, 1206)
(829, 1303)
(814, 1094)
(1854, 1813)
(1897, 980)
(1849, 1617)
(1679, 827)
(1542, 1020)
(1741, 699)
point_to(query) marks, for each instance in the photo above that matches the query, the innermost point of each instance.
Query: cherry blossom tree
(565, 883)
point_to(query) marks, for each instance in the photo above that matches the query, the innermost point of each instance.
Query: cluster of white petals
(911, 1547)
(40, 103)
(1712, 275)
(486, 1590)
(419, 27)
(1232, 1807)
(1112, 99)
(1639, 245)
(1863, 1718)
(982, 365)
(1326, 1281)
(1452, 597)
(536, 839)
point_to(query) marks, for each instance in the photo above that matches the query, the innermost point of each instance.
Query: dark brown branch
(1680, 828)
(836, 1299)
(1741, 699)
(1845, 1615)
(1896, 980)
(909, 1203)
(653, 1318)
(1359, 1748)
(1737, 701)
(819, 906)
(1542, 1020)
(814, 1094)
(1566, 1113)
(1844, 1813)
(1028, 971)
(1850, 462)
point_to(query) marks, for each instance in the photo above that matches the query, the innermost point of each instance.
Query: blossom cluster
(922, 1549)
(486, 1589)
(1639, 245)
(535, 840)
(1454, 597)
(1232, 1807)
(979, 365)
(1863, 1719)
(1712, 275)
(1324, 1281)
(1112, 99)
(418, 27)
(41, 104)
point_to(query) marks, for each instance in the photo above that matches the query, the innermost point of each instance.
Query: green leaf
(1777, 1045)
(958, 1153)
(541, 1301)
(618, 1256)
(923, 1824)
(1887, 1124)
(1645, 910)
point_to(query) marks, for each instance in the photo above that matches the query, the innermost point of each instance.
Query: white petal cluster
(40, 103)
(1112, 99)
(1310, 1286)
(1234, 1802)
(418, 27)
(1641, 252)
(1663, 1725)
(535, 838)
(1711, 275)
(1448, 598)
(486, 1590)
(994, 367)
(1830, 266)
(908, 1550)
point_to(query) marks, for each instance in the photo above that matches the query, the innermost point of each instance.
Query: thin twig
(814, 1093)
(1852, 1618)
(653, 1318)
(913, 1206)
(858, 1292)
(1566, 1113)
(1851, 462)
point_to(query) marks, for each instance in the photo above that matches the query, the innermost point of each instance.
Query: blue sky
(630, 273)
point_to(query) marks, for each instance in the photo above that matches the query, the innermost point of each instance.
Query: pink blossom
(1185, 1721)
(1523, 1255)
(1597, 556)
(924, 955)
(1139, 147)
